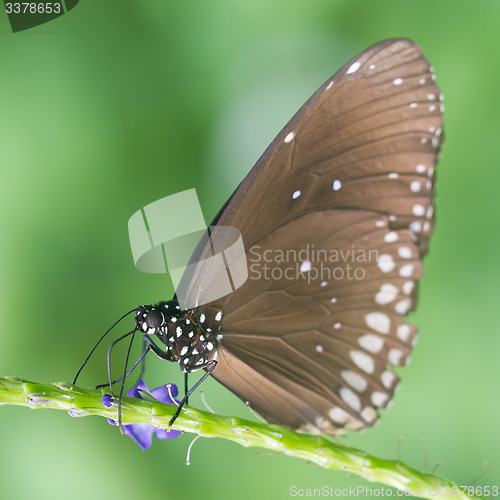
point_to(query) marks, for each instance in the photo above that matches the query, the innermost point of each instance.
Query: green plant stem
(82, 402)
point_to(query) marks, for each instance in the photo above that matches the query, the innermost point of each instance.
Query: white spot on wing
(403, 332)
(385, 263)
(350, 398)
(406, 271)
(387, 379)
(337, 185)
(371, 343)
(403, 306)
(397, 81)
(355, 425)
(405, 252)
(379, 322)
(394, 356)
(379, 398)
(305, 266)
(289, 137)
(415, 186)
(339, 415)
(369, 414)
(408, 287)
(415, 226)
(355, 380)
(391, 237)
(296, 194)
(363, 361)
(353, 67)
(388, 292)
(418, 210)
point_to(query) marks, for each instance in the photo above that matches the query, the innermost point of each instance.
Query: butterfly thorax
(190, 337)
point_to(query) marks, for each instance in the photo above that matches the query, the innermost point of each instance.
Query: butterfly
(348, 184)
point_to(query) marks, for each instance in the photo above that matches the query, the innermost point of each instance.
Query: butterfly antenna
(123, 380)
(98, 342)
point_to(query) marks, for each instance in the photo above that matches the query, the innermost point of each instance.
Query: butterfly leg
(210, 365)
(142, 357)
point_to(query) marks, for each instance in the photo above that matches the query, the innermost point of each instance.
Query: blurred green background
(118, 104)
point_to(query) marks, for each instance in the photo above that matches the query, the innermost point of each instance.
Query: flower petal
(107, 400)
(163, 395)
(164, 434)
(142, 434)
(135, 391)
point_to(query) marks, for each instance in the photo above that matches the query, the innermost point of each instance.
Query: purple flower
(142, 434)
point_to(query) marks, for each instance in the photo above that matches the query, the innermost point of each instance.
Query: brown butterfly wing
(353, 169)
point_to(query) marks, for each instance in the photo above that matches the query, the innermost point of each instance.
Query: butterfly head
(154, 319)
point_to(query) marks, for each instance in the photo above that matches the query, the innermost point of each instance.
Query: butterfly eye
(154, 318)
